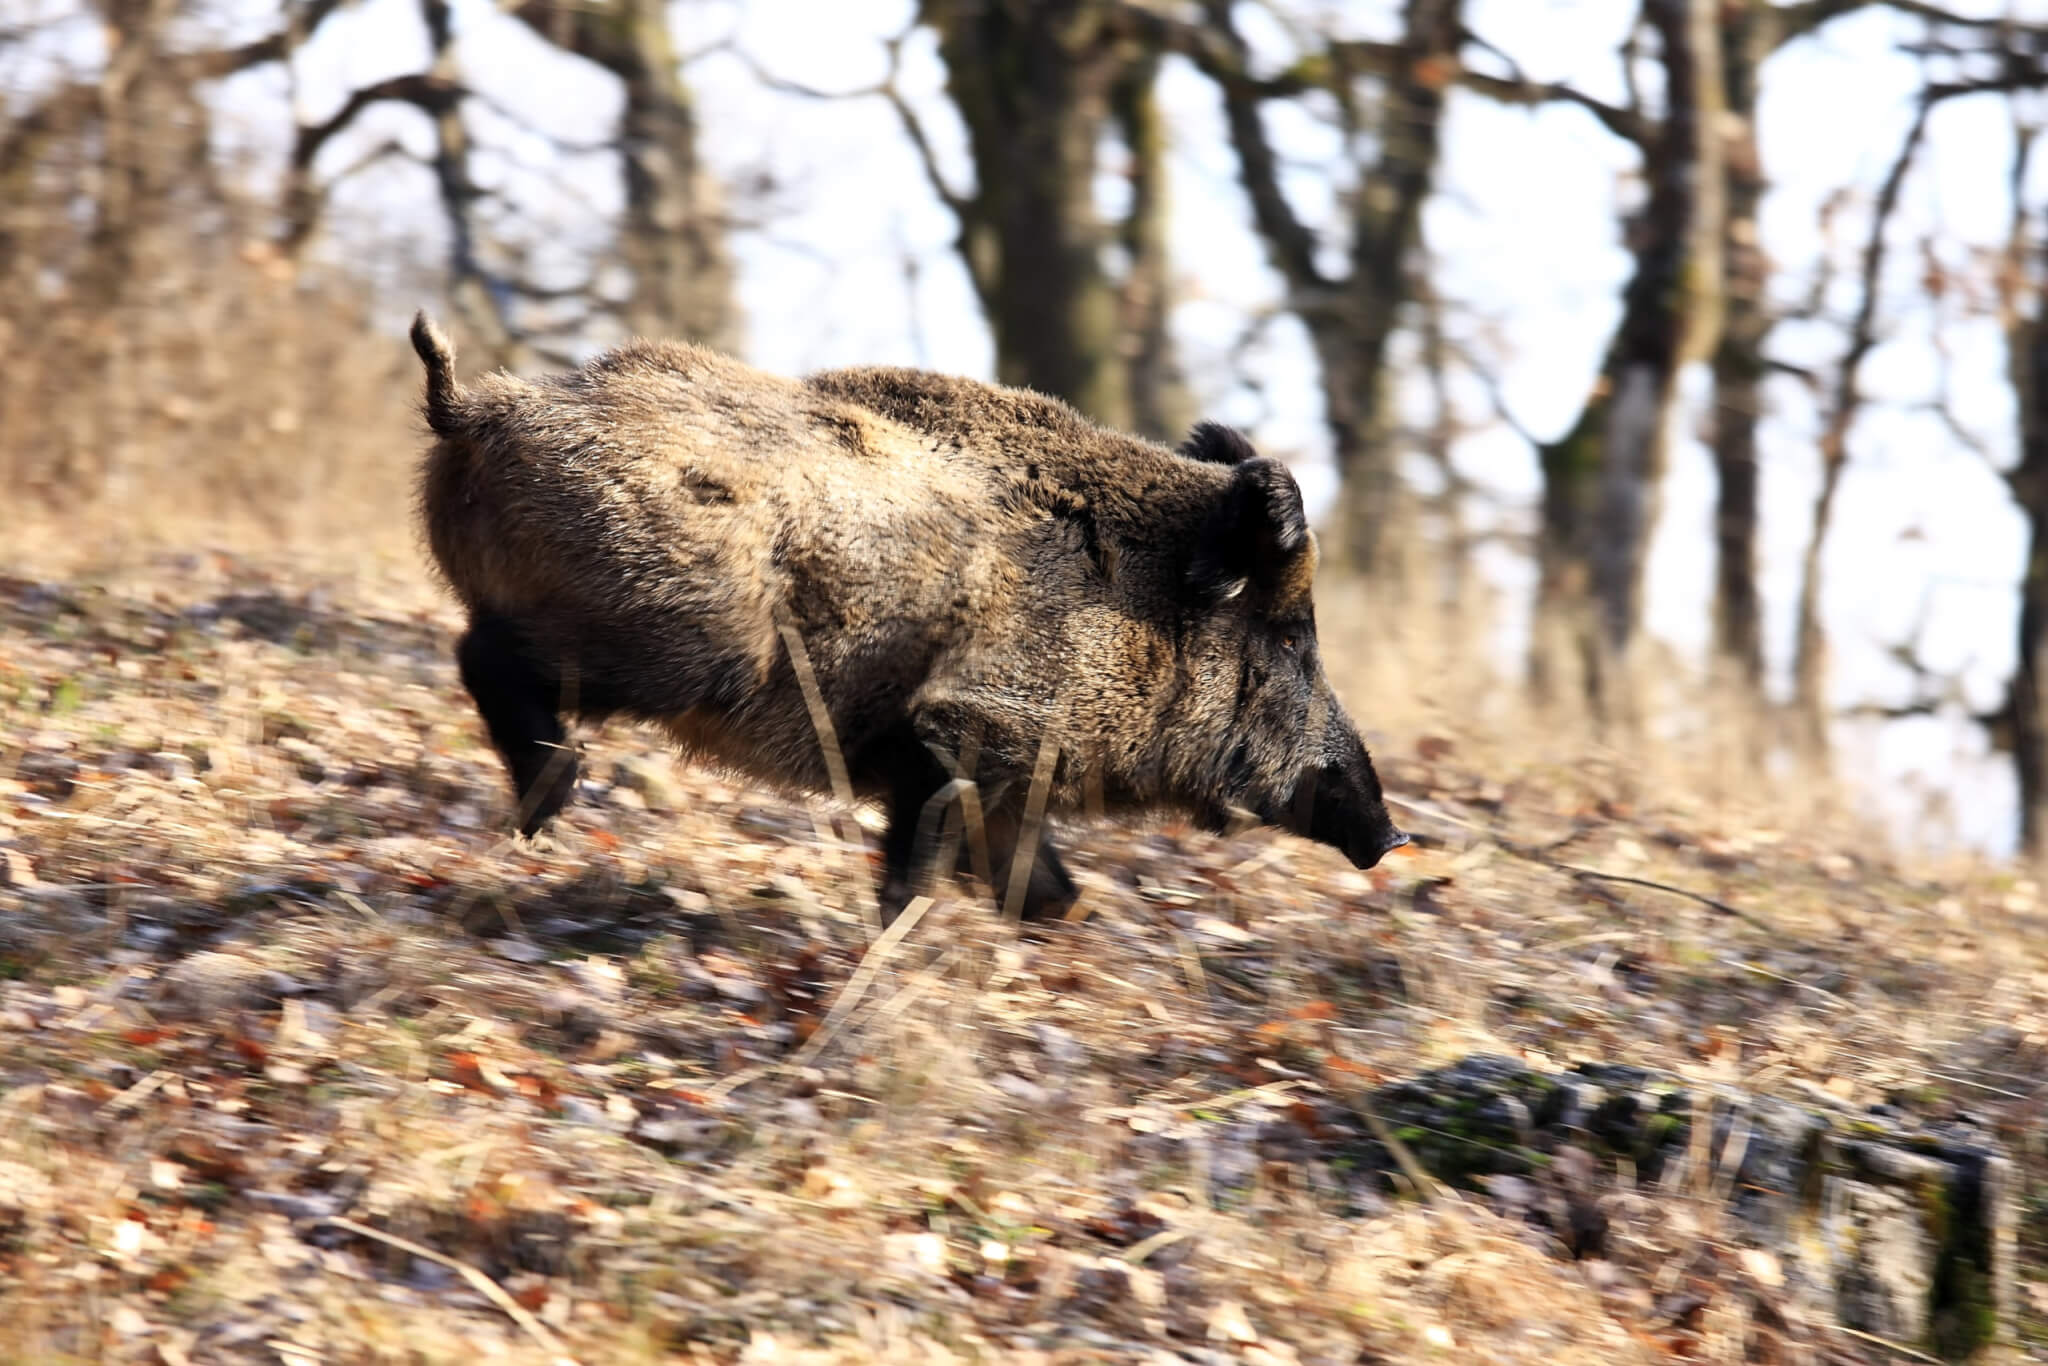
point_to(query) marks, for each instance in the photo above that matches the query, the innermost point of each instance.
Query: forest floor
(302, 1060)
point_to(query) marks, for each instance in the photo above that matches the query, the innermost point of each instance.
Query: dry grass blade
(932, 833)
(564, 754)
(482, 1284)
(835, 763)
(814, 698)
(1025, 854)
(856, 987)
(134, 1095)
(1136, 1254)
(877, 957)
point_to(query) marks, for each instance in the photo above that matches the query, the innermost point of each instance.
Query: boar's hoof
(546, 786)
(1050, 892)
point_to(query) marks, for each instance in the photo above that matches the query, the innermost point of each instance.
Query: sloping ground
(301, 1061)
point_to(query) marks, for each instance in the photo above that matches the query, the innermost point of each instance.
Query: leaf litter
(302, 1060)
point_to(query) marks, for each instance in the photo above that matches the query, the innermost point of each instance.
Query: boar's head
(1275, 740)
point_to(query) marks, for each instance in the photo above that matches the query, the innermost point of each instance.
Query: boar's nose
(1387, 844)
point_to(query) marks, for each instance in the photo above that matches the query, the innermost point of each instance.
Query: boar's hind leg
(517, 702)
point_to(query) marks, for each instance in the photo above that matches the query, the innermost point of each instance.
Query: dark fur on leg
(518, 705)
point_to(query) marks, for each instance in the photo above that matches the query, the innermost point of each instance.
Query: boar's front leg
(517, 702)
(1049, 891)
(916, 782)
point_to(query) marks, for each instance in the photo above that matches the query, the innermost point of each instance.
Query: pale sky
(1523, 228)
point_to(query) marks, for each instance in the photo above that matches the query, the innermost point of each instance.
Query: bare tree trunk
(1749, 37)
(1033, 81)
(673, 237)
(673, 240)
(480, 301)
(1161, 406)
(1350, 317)
(2023, 699)
(1386, 217)
(2027, 356)
(1601, 480)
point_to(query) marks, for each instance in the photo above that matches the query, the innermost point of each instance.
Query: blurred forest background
(1671, 362)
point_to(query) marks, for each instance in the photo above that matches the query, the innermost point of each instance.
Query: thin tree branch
(1798, 20)
(962, 206)
(273, 47)
(1862, 329)
(1623, 123)
(424, 91)
(1293, 244)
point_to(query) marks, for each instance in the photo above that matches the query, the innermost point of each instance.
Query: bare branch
(1862, 330)
(1810, 643)
(1489, 380)
(389, 149)
(429, 93)
(962, 206)
(1293, 244)
(1798, 20)
(1806, 375)
(1623, 123)
(273, 47)
(1990, 85)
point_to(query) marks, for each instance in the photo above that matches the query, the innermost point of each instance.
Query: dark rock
(1893, 1226)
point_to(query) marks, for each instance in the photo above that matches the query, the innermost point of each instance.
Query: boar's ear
(1256, 534)
(1217, 444)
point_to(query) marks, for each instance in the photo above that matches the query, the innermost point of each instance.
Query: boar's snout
(1339, 803)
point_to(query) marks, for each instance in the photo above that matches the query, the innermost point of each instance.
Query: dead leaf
(1227, 1323)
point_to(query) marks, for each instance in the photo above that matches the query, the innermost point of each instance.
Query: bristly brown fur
(969, 567)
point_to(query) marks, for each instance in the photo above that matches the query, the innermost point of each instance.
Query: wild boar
(969, 582)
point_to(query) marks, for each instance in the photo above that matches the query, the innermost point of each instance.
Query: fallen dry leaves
(295, 1046)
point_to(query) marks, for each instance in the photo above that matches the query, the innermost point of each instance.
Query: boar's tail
(444, 396)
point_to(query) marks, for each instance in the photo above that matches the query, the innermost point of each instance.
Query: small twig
(1230, 1100)
(1723, 907)
(1542, 852)
(483, 1284)
(1887, 1344)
